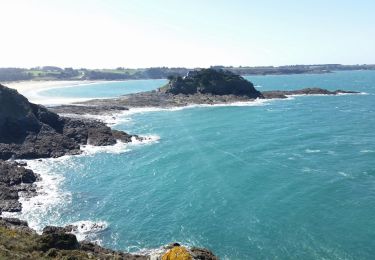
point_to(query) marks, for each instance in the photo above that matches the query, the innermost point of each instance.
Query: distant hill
(211, 81)
(56, 73)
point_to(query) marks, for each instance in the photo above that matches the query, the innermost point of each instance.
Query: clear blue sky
(143, 33)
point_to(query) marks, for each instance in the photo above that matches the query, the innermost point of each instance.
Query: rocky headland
(29, 131)
(204, 87)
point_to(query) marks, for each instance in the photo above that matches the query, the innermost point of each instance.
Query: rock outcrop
(305, 91)
(207, 86)
(211, 81)
(19, 241)
(15, 179)
(29, 131)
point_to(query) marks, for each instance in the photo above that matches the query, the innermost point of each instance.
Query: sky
(193, 33)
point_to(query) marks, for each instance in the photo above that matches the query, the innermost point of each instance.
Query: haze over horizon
(136, 34)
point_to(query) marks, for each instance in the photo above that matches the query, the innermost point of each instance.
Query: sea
(279, 179)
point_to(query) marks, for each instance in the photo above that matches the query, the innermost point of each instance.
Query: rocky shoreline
(30, 131)
(158, 99)
(18, 241)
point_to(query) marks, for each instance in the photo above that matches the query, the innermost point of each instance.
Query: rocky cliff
(30, 131)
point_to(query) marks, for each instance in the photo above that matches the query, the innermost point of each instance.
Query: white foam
(137, 110)
(119, 147)
(367, 151)
(343, 174)
(155, 253)
(88, 230)
(43, 209)
(324, 95)
(50, 195)
(109, 119)
(312, 151)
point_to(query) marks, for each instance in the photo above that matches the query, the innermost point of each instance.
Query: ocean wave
(49, 195)
(312, 151)
(343, 174)
(137, 110)
(44, 208)
(119, 147)
(367, 151)
(109, 119)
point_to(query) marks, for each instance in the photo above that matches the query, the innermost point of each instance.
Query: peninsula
(203, 87)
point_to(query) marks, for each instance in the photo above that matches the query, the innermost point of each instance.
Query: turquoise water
(289, 179)
(101, 90)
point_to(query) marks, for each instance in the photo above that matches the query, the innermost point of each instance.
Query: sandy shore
(32, 89)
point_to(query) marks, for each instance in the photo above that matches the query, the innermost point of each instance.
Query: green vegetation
(18, 241)
(56, 73)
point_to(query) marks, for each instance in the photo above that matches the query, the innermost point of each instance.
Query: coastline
(158, 101)
(182, 102)
(32, 88)
(40, 194)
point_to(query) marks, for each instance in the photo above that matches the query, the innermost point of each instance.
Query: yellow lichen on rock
(177, 253)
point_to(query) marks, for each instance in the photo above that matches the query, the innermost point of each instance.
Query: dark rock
(15, 222)
(172, 245)
(30, 131)
(58, 240)
(14, 179)
(10, 205)
(83, 110)
(12, 174)
(88, 132)
(54, 229)
(124, 137)
(211, 81)
(202, 254)
(305, 91)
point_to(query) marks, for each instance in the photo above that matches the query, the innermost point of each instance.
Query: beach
(32, 89)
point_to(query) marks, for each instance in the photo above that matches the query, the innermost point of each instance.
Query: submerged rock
(305, 91)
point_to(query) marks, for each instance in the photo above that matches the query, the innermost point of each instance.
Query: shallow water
(286, 179)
